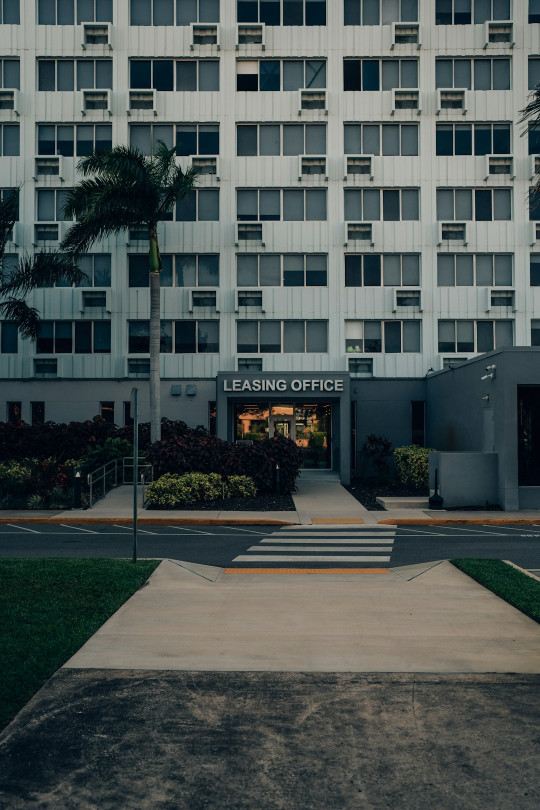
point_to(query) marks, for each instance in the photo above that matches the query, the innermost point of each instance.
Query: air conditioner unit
(142, 101)
(9, 100)
(200, 298)
(249, 232)
(312, 165)
(499, 32)
(250, 34)
(499, 165)
(450, 100)
(498, 298)
(534, 167)
(358, 167)
(312, 100)
(95, 300)
(359, 232)
(206, 165)
(203, 35)
(452, 232)
(96, 34)
(96, 101)
(405, 100)
(405, 34)
(406, 299)
(249, 298)
(48, 167)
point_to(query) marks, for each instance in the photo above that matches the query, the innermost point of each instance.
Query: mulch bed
(366, 492)
(260, 503)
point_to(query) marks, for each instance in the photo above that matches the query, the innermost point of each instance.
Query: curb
(522, 570)
(144, 521)
(463, 521)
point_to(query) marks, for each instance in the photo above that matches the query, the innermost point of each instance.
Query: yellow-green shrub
(240, 486)
(412, 466)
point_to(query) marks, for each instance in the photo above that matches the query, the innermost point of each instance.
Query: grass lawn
(519, 590)
(48, 609)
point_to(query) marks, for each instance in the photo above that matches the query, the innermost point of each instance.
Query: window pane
(270, 271)
(186, 208)
(140, 75)
(163, 12)
(10, 146)
(390, 139)
(316, 336)
(270, 336)
(63, 337)
(102, 337)
(270, 12)
(208, 336)
(409, 10)
(293, 270)
(463, 204)
(353, 271)
(372, 270)
(269, 140)
(501, 74)
(482, 74)
(371, 12)
(370, 75)
(390, 74)
(316, 275)
(371, 205)
(247, 339)
(445, 204)
(316, 204)
(246, 204)
(208, 270)
(482, 139)
(315, 73)
(85, 73)
(186, 139)
(293, 205)
(409, 73)
(465, 336)
(411, 336)
(186, 76)
(208, 139)
(503, 270)
(46, 76)
(463, 139)
(501, 139)
(163, 75)
(484, 270)
(482, 11)
(9, 344)
(103, 136)
(85, 139)
(184, 337)
(102, 270)
(447, 340)
(464, 270)
(46, 140)
(503, 334)
(208, 75)
(391, 271)
(83, 337)
(166, 275)
(46, 206)
(247, 271)
(45, 340)
(140, 12)
(85, 10)
(484, 336)
(353, 139)
(411, 269)
(269, 205)
(392, 337)
(208, 10)
(502, 204)
(293, 139)
(409, 204)
(246, 140)
(534, 73)
(462, 73)
(352, 77)
(270, 75)
(65, 74)
(443, 73)
(162, 133)
(294, 339)
(390, 11)
(353, 205)
(445, 270)
(391, 205)
(138, 271)
(372, 337)
(293, 12)
(46, 12)
(104, 74)
(208, 205)
(293, 74)
(315, 139)
(186, 12)
(186, 270)
(315, 12)
(409, 139)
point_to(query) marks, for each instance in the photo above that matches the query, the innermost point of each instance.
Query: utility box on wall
(465, 479)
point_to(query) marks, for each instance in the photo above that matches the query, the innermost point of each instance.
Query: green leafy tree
(43, 269)
(124, 189)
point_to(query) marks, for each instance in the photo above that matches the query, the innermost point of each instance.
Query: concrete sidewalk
(427, 618)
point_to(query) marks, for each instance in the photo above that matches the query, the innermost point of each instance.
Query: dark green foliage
(98, 455)
(377, 450)
(513, 586)
(412, 464)
(49, 608)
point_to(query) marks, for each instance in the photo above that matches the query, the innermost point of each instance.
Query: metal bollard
(278, 485)
(77, 490)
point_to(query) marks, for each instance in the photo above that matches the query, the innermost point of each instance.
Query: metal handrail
(112, 474)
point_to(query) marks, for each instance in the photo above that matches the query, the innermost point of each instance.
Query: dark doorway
(529, 435)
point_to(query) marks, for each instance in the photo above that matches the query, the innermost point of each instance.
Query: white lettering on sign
(259, 385)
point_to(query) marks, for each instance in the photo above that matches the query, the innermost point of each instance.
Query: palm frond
(180, 185)
(532, 110)
(120, 161)
(41, 270)
(24, 316)
(9, 212)
(163, 164)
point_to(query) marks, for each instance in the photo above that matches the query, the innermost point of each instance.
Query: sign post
(135, 417)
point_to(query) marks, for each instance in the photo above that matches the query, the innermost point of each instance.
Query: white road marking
(195, 531)
(523, 529)
(79, 528)
(293, 558)
(473, 531)
(130, 529)
(318, 548)
(238, 529)
(22, 528)
(353, 541)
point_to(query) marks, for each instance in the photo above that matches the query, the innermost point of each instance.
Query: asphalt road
(221, 545)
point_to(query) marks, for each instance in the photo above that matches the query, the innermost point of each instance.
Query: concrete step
(410, 502)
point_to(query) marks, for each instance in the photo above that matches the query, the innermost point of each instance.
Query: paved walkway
(428, 618)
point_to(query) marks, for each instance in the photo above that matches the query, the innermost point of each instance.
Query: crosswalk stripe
(306, 558)
(351, 542)
(318, 548)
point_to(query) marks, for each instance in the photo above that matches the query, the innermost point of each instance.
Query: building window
(389, 204)
(200, 205)
(10, 72)
(480, 204)
(266, 337)
(50, 205)
(388, 337)
(379, 74)
(187, 75)
(96, 266)
(187, 337)
(381, 139)
(280, 74)
(70, 140)
(10, 12)
(180, 270)
(535, 269)
(282, 270)
(474, 270)
(128, 419)
(9, 338)
(474, 336)
(282, 12)
(388, 270)
(37, 411)
(534, 72)
(106, 411)
(281, 204)
(13, 412)
(418, 422)
(69, 12)
(535, 333)
(9, 140)
(280, 139)
(380, 12)
(478, 74)
(473, 139)
(9, 264)
(79, 337)
(460, 12)
(534, 204)
(534, 139)
(360, 367)
(74, 74)
(534, 11)
(189, 139)
(169, 12)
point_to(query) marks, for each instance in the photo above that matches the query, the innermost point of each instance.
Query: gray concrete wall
(77, 400)
(465, 479)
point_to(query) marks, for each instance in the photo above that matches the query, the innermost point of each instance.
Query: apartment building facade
(361, 217)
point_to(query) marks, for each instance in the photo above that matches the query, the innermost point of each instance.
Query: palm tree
(125, 189)
(532, 111)
(43, 269)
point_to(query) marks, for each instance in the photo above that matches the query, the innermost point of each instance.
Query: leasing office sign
(280, 385)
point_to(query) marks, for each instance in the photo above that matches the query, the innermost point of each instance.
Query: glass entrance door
(282, 426)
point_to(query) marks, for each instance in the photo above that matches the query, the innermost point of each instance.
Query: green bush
(100, 454)
(240, 486)
(14, 474)
(412, 466)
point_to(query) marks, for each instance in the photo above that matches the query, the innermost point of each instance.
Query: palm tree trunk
(155, 333)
